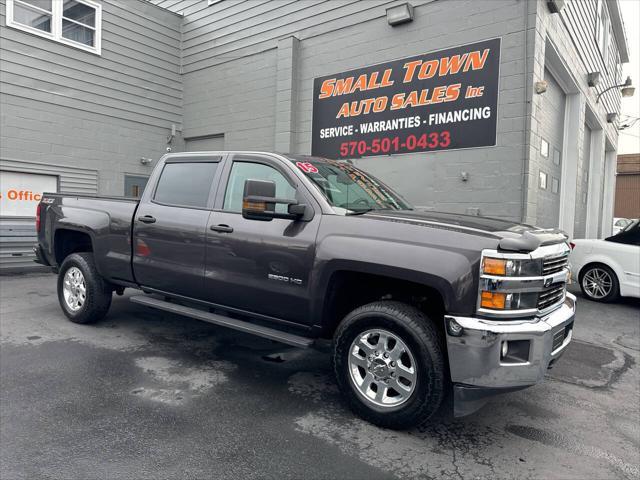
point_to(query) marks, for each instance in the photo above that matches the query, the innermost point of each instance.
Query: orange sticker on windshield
(306, 167)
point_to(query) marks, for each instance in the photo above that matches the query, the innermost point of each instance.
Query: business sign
(21, 192)
(442, 100)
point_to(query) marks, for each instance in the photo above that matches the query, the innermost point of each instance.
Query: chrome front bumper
(477, 367)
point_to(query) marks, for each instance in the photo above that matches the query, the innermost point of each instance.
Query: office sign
(442, 100)
(20, 193)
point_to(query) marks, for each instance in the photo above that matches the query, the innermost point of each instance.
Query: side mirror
(259, 202)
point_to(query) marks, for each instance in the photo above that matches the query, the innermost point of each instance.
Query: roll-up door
(550, 153)
(582, 187)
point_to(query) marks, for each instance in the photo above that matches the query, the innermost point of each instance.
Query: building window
(544, 148)
(72, 22)
(134, 185)
(603, 29)
(212, 2)
(542, 182)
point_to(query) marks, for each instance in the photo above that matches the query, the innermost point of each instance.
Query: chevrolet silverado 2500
(295, 249)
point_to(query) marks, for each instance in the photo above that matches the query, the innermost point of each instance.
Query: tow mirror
(259, 202)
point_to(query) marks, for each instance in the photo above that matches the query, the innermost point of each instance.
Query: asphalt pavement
(147, 394)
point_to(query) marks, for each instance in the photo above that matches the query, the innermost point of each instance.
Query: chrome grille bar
(551, 296)
(554, 264)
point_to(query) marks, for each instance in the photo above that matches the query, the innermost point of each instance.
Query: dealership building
(503, 108)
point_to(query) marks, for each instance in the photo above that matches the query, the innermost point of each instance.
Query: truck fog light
(454, 328)
(505, 349)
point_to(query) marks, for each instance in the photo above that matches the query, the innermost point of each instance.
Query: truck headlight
(508, 301)
(503, 267)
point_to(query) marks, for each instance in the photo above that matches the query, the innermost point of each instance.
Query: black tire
(420, 335)
(612, 295)
(98, 291)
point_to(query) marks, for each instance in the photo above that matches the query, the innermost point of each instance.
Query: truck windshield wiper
(359, 212)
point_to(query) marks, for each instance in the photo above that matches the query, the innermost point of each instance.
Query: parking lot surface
(147, 394)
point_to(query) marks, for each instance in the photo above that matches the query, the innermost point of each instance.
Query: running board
(224, 321)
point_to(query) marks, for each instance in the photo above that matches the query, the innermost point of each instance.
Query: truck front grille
(554, 264)
(551, 296)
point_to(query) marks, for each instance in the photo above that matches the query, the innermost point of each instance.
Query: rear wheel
(599, 283)
(83, 294)
(389, 364)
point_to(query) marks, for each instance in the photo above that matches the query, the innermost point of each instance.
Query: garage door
(582, 187)
(210, 143)
(550, 153)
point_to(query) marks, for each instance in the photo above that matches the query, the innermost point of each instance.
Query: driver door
(254, 265)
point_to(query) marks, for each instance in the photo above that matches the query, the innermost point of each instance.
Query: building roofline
(618, 30)
(164, 9)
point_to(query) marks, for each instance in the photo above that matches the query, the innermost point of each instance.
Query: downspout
(527, 117)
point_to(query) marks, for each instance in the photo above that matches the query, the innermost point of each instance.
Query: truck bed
(106, 220)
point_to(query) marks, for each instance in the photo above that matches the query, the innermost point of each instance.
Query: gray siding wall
(63, 106)
(240, 69)
(579, 20)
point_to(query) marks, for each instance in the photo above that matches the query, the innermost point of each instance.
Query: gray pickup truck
(297, 249)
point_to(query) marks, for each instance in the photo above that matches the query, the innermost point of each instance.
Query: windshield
(349, 188)
(629, 235)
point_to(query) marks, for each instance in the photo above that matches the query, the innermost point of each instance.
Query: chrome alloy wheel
(382, 368)
(74, 289)
(597, 283)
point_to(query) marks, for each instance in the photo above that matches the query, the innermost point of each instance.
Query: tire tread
(99, 292)
(424, 332)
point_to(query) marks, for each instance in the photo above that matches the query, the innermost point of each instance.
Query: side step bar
(216, 319)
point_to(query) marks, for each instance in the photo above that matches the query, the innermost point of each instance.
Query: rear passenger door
(169, 228)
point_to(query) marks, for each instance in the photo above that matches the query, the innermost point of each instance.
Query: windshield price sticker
(306, 167)
(443, 100)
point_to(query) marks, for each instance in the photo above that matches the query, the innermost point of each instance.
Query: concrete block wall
(434, 179)
(236, 98)
(248, 73)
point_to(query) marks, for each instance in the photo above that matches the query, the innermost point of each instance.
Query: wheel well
(591, 264)
(67, 242)
(349, 290)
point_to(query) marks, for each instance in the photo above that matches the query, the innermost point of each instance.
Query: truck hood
(513, 237)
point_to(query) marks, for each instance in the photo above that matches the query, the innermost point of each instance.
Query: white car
(609, 268)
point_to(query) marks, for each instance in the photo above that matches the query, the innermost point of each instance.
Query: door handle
(222, 228)
(147, 219)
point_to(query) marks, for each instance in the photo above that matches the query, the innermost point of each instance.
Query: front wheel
(599, 283)
(83, 294)
(389, 364)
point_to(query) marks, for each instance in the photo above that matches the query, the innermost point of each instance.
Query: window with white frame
(603, 29)
(72, 22)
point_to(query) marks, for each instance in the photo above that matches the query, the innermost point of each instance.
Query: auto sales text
(416, 69)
